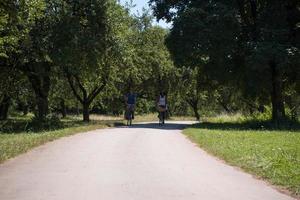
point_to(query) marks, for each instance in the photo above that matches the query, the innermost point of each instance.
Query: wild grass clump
(261, 121)
(51, 122)
(31, 124)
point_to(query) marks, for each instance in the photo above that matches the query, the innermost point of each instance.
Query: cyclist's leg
(164, 115)
(160, 114)
(161, 118)
(128, 114)
(129, 108)
(133, 109)
(132, 114)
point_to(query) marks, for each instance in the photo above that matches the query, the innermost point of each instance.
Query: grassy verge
(270, 154)
(18, 142)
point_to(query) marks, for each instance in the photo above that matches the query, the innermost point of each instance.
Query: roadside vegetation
(18, 135)
(255, 146)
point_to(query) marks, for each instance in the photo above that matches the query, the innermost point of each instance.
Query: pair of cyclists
(130, 101)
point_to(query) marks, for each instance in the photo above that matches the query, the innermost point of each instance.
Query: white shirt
(162, 100)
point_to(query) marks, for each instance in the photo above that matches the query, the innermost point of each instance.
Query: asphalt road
(142, 162)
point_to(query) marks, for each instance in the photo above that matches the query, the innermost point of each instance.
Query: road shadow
(166, 126)
(23, 126)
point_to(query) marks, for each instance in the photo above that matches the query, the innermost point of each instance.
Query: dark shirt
(131, 98)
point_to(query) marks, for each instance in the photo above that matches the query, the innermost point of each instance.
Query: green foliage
(51, 122)
(263, 116)
(231, 56)
(250, 47)
(30, 124)
(146, 66)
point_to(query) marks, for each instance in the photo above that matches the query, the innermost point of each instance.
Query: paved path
(139, 163)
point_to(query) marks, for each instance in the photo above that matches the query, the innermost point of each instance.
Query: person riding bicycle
(130, 101)
(162, 102)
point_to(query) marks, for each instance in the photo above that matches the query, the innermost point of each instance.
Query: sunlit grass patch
(272, 155)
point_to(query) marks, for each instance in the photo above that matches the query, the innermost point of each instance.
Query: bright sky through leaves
(139, 5)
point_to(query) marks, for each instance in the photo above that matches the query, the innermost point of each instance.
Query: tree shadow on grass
(250, 125)
(19, 126)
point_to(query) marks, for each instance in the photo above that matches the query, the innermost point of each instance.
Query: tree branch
(81, 87)
(95, 92)
(69, 78)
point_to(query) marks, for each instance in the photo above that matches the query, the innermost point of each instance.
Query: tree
(191, 89)
(274, 47)
(238, 42)
(27, 45)
(147, 66)
(60, 97)
(86, 39)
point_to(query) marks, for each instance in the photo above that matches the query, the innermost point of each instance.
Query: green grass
(270, 154)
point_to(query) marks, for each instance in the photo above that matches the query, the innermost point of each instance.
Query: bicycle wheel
(128, 116)
(160, 118)
(129, 119)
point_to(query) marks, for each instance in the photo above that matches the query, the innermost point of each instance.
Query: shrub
(51, 122)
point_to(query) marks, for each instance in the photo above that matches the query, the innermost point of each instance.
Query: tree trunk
(4, 107)
(63, 108)
(41, 85)
(86, 112)
(196, 113)
(194, 105)
(278, 112)
(77, 109)
(42, 105)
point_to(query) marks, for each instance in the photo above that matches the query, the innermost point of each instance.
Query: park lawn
(271, 155)
(13, 144)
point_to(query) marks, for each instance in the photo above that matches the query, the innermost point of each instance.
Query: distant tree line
(78, 56)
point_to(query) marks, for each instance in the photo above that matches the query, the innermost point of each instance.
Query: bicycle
(161, 116)
(129, 115)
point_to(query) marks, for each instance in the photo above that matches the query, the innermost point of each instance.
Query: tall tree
(86, 40)
(26, 45)
(253, 45)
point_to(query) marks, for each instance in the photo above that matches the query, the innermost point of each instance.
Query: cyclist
(162, 104)
(130, 101)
